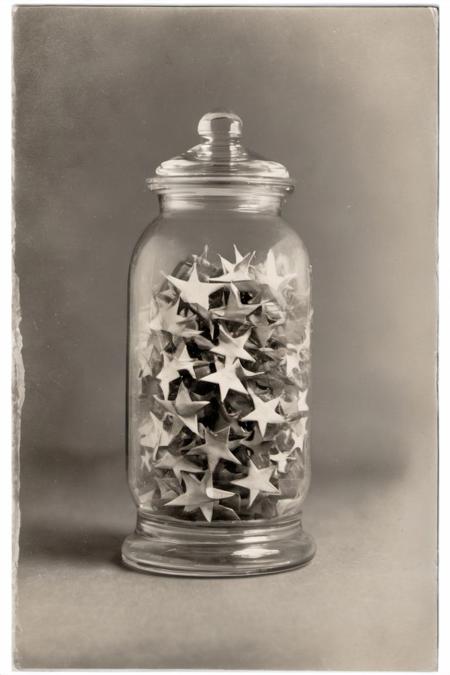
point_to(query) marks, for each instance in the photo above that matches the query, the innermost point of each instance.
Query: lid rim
(158, 183)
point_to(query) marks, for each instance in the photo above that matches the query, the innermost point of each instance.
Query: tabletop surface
(366, 601)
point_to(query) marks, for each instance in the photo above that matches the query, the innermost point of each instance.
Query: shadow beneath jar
(95, 545)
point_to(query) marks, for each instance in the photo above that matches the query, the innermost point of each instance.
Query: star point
(237, 271)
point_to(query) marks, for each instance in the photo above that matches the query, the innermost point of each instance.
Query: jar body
(218, 376)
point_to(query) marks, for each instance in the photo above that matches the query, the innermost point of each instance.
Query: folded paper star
(177, 464)
(235, 310)
(155, 433)
(184, 408)
(264, 413)
(298, 433)
(237, 271)
(201, 494)
(269, 275)
(281, 459)
(256, 481)
(226, 377)
(194, 291)
(215, 447)
(168, 319)
(167, 374)
(232, 347)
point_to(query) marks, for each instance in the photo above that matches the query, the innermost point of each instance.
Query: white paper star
(281, 459)
(264, 413)
(235, 310)
(298, 433)
(201, 494)
(184, 408)
(171, 368)
(233, 347)
(167, 374)
(226, 377)
(257, 480)
(177, 465)
(215, 447)
(168, 319)
(237, 271)
(155, 435)
(194, 291)
(270, 277)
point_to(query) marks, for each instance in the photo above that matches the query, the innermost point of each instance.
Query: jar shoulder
(169, 238)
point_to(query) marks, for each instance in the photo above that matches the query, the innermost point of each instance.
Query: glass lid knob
(220, 126)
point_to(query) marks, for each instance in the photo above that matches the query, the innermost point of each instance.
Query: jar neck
(263, 204)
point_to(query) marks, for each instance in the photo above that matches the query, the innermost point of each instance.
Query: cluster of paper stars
(224, 365)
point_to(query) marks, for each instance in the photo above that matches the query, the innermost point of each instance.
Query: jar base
(173, 548)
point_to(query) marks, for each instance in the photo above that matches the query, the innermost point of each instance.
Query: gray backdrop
(347, 100)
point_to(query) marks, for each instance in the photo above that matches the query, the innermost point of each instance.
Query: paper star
(194, 291)
(237, 271)
(264, 413)
(154, 435)
(232, 347)
(225, 376)
(298, 433)
(177, 465)
(167, 374)
(281, 459)
(270, 277)
(169, 320)
(257, 480)
(184, 408)
(215, 448)
(235, 310)
(201, 494)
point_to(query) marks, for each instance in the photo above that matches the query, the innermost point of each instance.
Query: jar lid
(220, 159)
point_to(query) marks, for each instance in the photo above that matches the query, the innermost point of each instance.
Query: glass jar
(219, 367)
